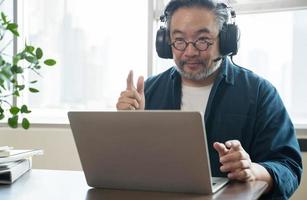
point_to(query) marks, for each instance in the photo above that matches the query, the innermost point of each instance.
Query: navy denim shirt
(245, 107)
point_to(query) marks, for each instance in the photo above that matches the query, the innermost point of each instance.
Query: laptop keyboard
(217, 180)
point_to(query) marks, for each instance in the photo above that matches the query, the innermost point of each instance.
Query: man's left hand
(235, 160)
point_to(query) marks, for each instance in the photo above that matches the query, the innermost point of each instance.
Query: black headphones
(228, 37)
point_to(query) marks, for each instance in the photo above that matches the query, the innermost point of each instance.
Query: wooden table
(66, 185)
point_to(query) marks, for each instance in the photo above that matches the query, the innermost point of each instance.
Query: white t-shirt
(195, 98)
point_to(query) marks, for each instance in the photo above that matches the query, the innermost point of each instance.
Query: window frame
(262, 6)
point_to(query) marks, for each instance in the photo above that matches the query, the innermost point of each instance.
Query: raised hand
(132, 98)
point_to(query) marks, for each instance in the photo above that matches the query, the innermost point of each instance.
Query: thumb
(234, 145)
(130, 84)
(140, 85)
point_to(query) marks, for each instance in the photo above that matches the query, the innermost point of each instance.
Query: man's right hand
(132, 98)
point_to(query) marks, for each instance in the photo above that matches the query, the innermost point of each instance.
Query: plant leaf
(3, 17)
(13, 121)
(1, 116)
(24, 109)
(2, 61)
(37, 66)
(6, 72)
(16, 93)
(13, 28)
(16, 70)
(25, 123)
(14, 110)
(16, 59)
(1, 80)
(50, 62)
(33, 90)
(39, 53)
(13, 80)
(29, 49)
(33, 82)
(31, 59)
(20, 87)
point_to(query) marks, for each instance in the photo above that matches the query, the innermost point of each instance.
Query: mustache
(183, 62)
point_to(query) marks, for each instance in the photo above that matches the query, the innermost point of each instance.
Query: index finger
(220, 148)
(130, 84)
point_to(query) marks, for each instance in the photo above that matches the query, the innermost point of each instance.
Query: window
(95, 44)
(274, 46)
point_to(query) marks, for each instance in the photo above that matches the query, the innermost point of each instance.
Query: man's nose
(191, 51)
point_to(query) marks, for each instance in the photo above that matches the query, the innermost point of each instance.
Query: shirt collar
(227, 71)
(174, 73)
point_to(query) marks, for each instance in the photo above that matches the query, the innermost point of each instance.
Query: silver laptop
(144, 150)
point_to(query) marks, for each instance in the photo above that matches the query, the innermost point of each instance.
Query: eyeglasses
(200, 44)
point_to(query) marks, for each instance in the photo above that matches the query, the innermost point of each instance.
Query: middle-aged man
(249, 132)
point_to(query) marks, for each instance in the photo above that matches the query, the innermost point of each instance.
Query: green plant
(12, 74)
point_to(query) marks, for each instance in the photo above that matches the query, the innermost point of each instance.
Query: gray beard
(202, 75)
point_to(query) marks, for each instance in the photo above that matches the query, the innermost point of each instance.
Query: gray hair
(219, 9)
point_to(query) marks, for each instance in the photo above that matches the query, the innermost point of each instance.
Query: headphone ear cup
(163, 48)
(229, 40)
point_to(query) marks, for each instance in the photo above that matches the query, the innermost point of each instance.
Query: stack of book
(15, 162)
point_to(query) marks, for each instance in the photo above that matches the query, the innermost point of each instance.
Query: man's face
(191, 24)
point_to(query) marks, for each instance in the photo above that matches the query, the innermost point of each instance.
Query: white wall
(301, 193)
(58, 144)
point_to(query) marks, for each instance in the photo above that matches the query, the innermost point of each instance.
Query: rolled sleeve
(279, 152)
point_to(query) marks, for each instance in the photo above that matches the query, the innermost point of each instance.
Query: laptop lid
(143, 150)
